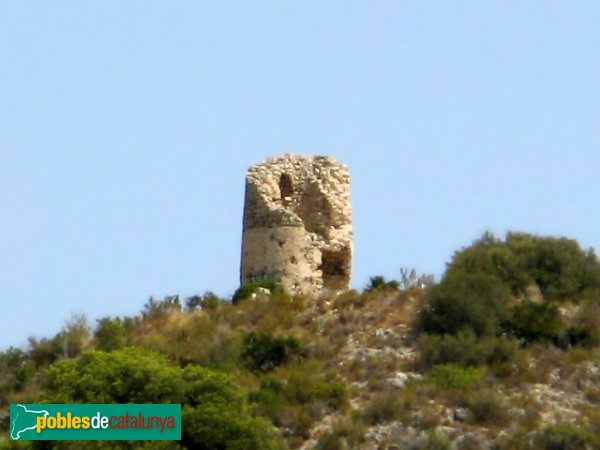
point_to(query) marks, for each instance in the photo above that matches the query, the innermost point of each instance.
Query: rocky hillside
(502, 353)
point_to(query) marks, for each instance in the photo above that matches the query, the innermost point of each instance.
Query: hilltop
(502, 353)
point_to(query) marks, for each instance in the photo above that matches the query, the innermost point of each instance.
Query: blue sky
(126, 129)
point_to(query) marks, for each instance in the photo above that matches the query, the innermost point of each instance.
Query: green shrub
(247, 289)
(534, 322)
(588, 317)
(380, 283)
(303, 387)
(465, 301)
(491, 256)
(437, 441)
(566, 437)
(156, 312)
(15, 370)
(384, 407)
(43, 352)
(558, 266)
(270, 400)
(468, 309)
(345, 433)
(70, 342)
(264, 352)
(129, 375)
(487, 407)
(464, 349)
(207, 301)
(74, 336)
(110, 334)
(452, 376)
(215, 412)
(294, 397)
(221, 426)
(577, 335)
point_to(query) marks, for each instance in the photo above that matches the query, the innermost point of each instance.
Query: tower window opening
(286, 186)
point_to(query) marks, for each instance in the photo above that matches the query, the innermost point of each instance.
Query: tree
(216, 414)
(531, 322)
(15, 371)
(129, 375)
(380, 283)
(110, 334)
(558, 266)
(207, 301)
(215, 411)
(264, 352)
(471, 301)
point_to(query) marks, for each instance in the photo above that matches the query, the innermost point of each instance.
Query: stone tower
(298, 224)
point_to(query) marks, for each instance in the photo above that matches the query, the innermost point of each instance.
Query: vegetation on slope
(477, 359)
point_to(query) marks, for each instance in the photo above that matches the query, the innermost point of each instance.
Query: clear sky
(126, 128)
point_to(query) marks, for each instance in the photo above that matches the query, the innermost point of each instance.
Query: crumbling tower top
(298, 223)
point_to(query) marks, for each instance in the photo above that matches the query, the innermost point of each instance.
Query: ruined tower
(298, 224)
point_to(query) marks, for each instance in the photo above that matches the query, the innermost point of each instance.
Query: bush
(437, 441)
(215, 412)
(464, 350)
(110, 334)
(486, 407)
(206, 302)
(129, 375)
(44, 352)
(15, 371)
(380, 283)
(491, 256)
(451, 376)
(577, 335)
(383, 407)
(70, 342)
(264, 352)
(566, 437)
(303, 387)
(465, 301)
(157, 311)
(294, 397)
(346, 433)
(588, 317)
(534, 322)
(558, 266)
(247, 289)
(468, 309)
(270, 401)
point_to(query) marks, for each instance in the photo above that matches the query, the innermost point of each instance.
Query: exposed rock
(471, 440)
(534, 293)
(261, 294)
(399, 380)
(461, 414)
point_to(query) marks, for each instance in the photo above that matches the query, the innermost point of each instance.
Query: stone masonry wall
(298, 224)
